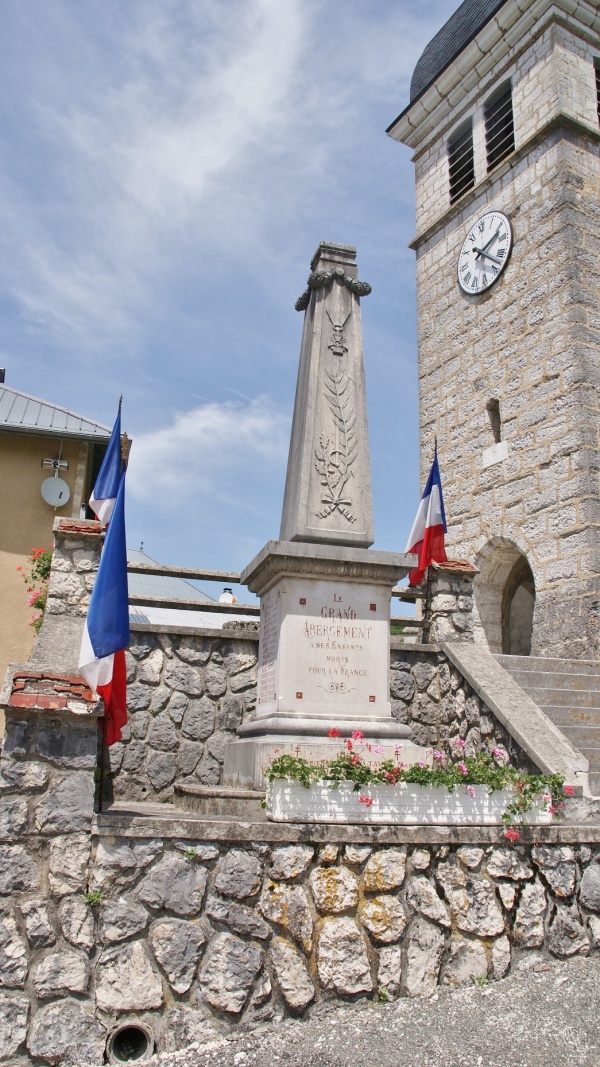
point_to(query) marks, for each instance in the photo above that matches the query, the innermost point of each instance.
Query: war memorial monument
(154, 904)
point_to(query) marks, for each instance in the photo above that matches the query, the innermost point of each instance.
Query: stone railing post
(77, 547)
(448, 607)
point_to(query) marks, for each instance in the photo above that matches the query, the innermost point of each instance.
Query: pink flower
(551, 809)
(438, 755)
(357, 735)
(569, 791)
(511, 835)
(469, 789)
(461, 767)
(366, 800)
(422, 763)
(498, 753)
(334, 732)
(397, 749)
(378, 749)
(458, 741)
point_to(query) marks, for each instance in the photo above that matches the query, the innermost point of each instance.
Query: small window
(499, 126)
(493, 410)
(597, 67)
(460, 161)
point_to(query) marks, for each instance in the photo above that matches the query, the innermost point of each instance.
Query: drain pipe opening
(130, 1042)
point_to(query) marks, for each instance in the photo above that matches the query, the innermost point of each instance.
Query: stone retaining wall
(187, 694)
(195, 932)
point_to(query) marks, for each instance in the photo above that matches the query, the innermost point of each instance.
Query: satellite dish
(56, 492)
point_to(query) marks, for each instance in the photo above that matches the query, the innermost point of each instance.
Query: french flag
(427, 535)
(106, 632)
(104, 493)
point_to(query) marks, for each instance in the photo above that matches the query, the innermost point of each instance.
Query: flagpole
(426, 630)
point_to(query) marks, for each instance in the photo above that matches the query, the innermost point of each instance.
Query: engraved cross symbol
(338, 344)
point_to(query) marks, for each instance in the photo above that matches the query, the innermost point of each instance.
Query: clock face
(484, 253)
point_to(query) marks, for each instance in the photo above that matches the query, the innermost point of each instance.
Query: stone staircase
(568, 691)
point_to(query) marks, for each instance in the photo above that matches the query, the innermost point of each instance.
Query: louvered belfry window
(499, 126)
(597, 66)
(460, 161)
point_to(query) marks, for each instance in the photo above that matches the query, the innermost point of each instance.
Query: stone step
(219, 800)
(562, 715)
(595, 783)
(557, 680)
(547, 663)
(585, 738)
(565, 698)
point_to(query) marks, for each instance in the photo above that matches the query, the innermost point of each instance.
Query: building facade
(504, 123)
(33, 432)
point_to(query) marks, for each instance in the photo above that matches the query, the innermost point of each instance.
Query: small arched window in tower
(597, 69)
(499, 125)
(461, 167)
(493, 410)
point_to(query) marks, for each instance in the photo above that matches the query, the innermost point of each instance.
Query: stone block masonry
(193, 927)
(187, 694)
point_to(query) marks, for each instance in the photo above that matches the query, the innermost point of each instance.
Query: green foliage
(36, 575)
(191, 854)
(94, 897)
(348, 766)
(383, 996)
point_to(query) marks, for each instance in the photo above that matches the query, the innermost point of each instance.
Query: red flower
(355, 759)
(569, 791)
(366, 800)
(512, 835)
(357, 735)
(348, 744)
(334, 732)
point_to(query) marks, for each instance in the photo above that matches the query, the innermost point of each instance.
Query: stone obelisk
(325, 595)
(328, 486)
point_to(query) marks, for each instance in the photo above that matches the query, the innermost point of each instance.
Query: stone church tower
(504, 124)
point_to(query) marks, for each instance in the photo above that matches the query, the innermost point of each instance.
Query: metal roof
(179, 617)
(461, 27)
(176, 588)
(160, 585)
(23, 413)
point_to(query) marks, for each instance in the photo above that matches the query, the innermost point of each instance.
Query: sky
(168, 168)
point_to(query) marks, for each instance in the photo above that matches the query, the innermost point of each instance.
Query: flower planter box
(403, 804)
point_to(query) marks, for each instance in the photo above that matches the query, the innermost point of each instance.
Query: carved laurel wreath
(333, 462)
(318, 278)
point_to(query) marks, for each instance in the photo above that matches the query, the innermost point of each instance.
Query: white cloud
(220, 450)
(167, 131)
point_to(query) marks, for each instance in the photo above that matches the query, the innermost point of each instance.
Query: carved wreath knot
(316, 279)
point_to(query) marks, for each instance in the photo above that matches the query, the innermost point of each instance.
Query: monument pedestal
(324, 649)
(324, 658)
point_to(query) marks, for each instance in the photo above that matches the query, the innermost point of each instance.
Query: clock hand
(490, 242)
(488, 255)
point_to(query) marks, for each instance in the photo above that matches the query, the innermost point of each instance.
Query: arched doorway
(504, 598)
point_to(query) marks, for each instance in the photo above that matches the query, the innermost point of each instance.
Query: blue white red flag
(104, 493)
(106, 632)
(427, 535)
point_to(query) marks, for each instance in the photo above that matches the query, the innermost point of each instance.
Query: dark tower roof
(461, 27)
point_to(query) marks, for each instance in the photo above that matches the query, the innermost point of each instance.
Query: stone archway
(504, 598)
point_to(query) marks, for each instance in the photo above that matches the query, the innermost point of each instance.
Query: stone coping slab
(144, 821)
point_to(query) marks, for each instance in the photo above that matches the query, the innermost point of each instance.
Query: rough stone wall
(186, 696)
(193, 937)
(530, 342)
(432, 696)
